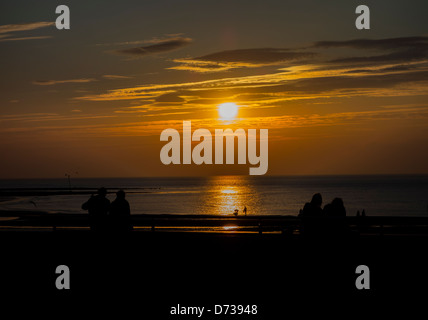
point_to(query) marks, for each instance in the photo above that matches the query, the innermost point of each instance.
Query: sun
(228, 111)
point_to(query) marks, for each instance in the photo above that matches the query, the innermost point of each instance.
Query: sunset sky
(95, 99)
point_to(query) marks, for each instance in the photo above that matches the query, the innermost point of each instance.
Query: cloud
(403, 56)
(157, 46)
(24, 26)
(25, 38)
(406, 67)
(274, 89)
(304, 78)
(52, 82)
(115, 77)
(242, 58)
(256, 56)
(47, 117)
(170, 97)
(402, 49)
(7, 31)
(383, 44)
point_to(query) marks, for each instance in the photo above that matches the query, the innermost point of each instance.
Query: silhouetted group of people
(106, 216)
(314, 209)
(327, 221)
(236, 212)
(116, 216)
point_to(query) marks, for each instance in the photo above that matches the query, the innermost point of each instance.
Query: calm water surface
(264, 195)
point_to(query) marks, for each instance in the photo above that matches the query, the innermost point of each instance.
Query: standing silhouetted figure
(98, 207)
(120, 213)
(245, 210)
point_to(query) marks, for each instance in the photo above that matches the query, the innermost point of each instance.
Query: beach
(204, 259)
(148, 272)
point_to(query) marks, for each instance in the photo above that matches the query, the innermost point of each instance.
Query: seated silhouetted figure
(336, 222)
(120, 213)
(335, 208)
(313, 208)
(98, 207)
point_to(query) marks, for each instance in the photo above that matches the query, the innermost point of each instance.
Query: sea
(377, 195)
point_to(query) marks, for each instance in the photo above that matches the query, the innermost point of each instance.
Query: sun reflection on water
(230, 228)
(230, 193)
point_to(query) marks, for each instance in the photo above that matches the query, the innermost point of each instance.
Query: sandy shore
(290, 226)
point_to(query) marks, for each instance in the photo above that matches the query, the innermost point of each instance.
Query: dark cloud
(242, 58)
(400, 56)
(390, 50)
(383, 70)
(382, 44)
(403, 49)
(157, 47)
(405, 67)
(328, 84)
(258, 55)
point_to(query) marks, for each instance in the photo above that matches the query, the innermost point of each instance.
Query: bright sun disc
(228, 110)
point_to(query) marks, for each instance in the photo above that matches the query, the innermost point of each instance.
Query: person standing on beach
(120, 213)
(98, 207)
(245, 210)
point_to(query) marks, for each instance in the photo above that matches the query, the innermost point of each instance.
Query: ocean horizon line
(225, 175)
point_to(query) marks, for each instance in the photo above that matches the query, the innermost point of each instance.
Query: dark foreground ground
(143, 274)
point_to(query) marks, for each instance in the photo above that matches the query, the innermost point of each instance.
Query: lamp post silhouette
(68, 175)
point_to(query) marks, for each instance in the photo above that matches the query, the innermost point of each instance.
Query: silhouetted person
(120, 213)
(336, 225)
(245, 210)
(335, 208)
(98, 207)
(313, 208)
(312, 216)
(236, 212)
(361, 221)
